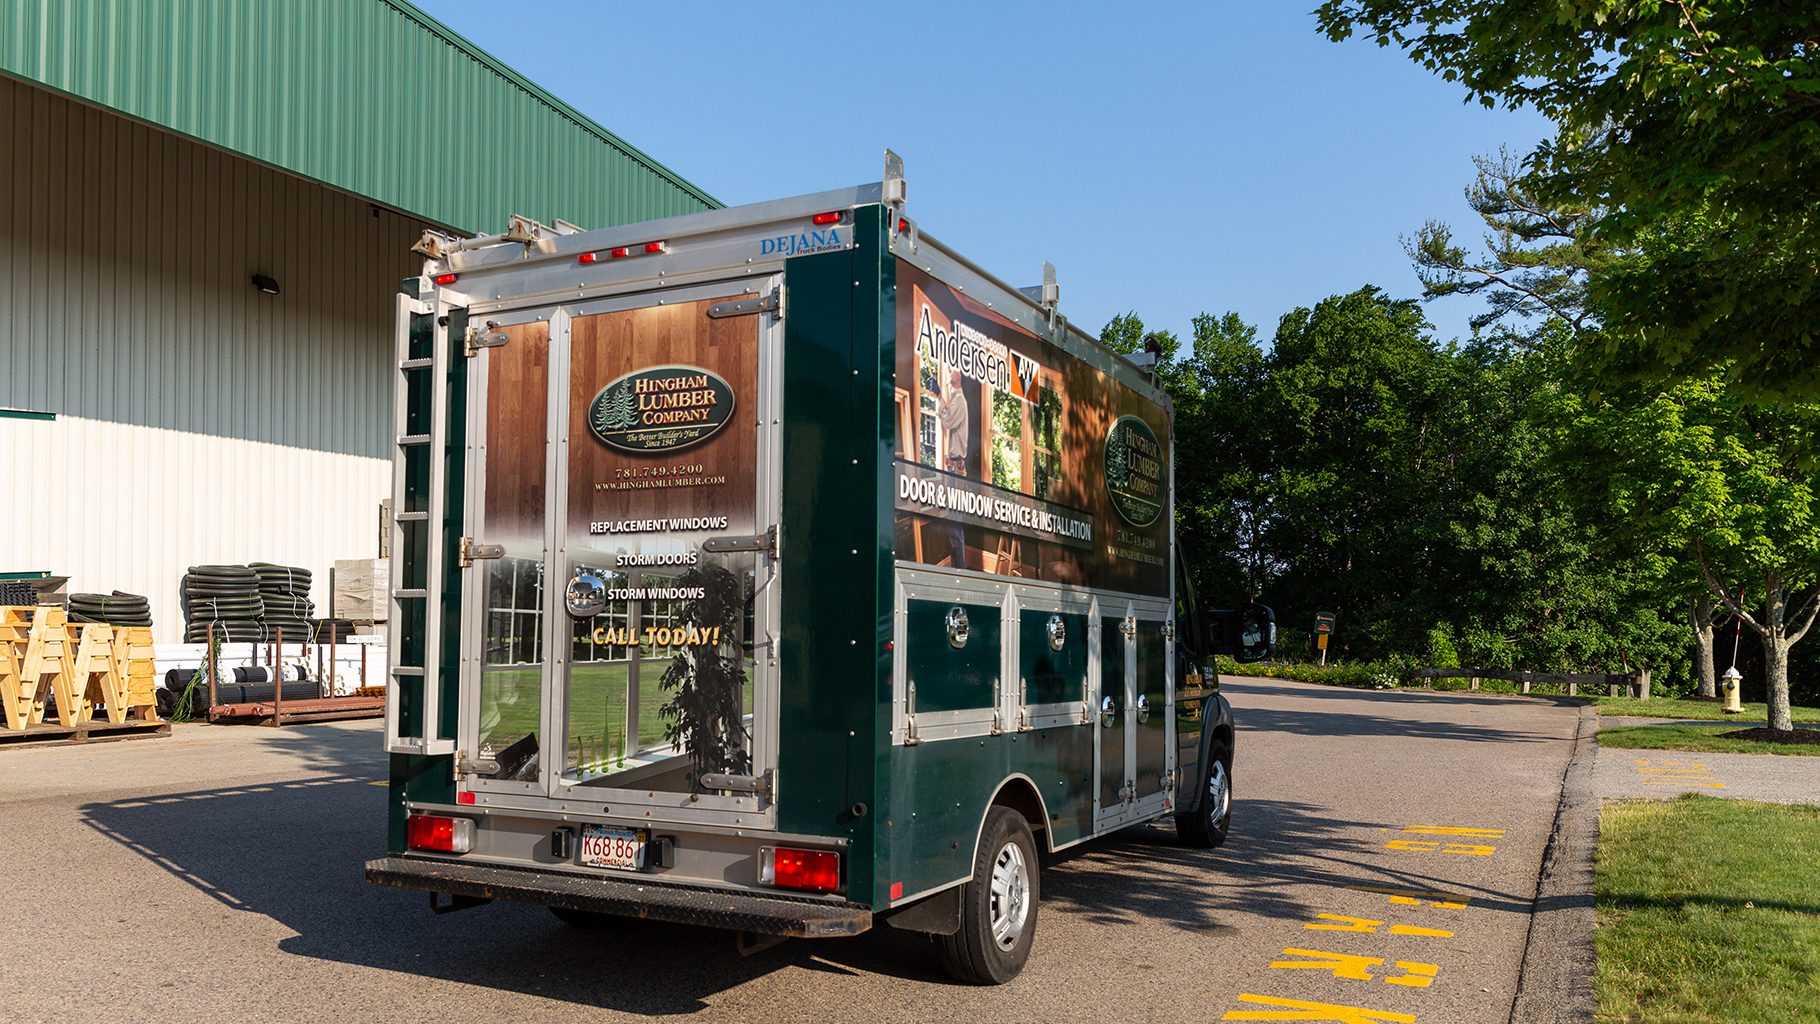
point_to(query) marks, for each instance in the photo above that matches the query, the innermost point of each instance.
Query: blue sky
(1167, 158)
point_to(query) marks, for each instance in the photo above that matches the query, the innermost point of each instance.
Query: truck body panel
(774, 527)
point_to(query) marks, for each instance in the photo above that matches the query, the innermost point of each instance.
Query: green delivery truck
(779, 570)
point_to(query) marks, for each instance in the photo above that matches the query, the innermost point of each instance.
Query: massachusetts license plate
(622, 849)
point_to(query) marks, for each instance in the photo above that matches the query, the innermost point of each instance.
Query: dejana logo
(804, 242)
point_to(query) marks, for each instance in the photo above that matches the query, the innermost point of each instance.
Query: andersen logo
(660, 409)
(802, 242)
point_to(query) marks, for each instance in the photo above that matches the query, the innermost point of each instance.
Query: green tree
(1691, 126)
(1738, 483)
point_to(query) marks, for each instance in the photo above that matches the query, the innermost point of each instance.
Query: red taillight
(651, 247)
(439, 834)
(445, 278)
(466, 797)
(587, 257)
(620, 253)
(809, 870)
(831, 217)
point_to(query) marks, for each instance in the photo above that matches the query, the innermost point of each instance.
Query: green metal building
(164, 153)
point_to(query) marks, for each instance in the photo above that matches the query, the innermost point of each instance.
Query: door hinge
(772, 303)
(1169, 631)
(766, 542)
(472, 552)
(1128, 627)
(489, 336)
(757, 784)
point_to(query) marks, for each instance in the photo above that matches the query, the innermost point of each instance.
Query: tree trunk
(1700, 616)
(1775, 661)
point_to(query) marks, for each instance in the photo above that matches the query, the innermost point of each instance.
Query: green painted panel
(1050, 676)
(945, 677)
(1152, 685)
(831, 655)
(1112, 737)
(940, 791)
(367, 96)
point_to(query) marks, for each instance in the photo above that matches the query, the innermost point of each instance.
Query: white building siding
(198, 419)
(119, 506)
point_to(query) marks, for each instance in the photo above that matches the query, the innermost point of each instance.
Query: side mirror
(1257, 639)
(1244, 634)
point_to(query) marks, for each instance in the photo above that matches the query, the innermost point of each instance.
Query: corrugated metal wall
(199, 420)
(371, 96)
(121, 507)
(126, 261)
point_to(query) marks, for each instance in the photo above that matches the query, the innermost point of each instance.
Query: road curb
(1555, 985)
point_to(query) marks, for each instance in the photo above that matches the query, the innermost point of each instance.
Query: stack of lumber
(45, 660)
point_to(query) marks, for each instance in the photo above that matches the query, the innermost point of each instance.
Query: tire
(1205, 827)
(998, 905)
(582, 918)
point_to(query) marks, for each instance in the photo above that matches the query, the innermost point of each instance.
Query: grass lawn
(1662, 707)
(597, 707)
(1709, 911)
(1698, 737)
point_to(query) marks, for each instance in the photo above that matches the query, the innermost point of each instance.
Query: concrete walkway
(1662, 774)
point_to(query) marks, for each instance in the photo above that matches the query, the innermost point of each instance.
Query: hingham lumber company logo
(976, 355)
(660, 409)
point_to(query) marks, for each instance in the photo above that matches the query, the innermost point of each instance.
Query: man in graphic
(957, 443)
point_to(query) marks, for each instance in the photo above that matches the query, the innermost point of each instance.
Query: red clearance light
(445, 278)
(620, 253)
(903, 226)
(466, 797)
(808, 870)
(587, 257)
(439, 834)
(831, 217)
(654, 247)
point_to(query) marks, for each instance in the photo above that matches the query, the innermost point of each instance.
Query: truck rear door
(618, 654)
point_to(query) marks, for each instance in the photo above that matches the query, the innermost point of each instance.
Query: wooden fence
(1636, 684)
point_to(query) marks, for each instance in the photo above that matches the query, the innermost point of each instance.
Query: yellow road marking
(1301, 1010)
(1370, 927)
(1416, 897)
(1419, 976)
(1443, 830)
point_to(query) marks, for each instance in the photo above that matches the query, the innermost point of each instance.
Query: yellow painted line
(1298, 1009)
(1444, 830)
(1342, 965)
(1370, 927)
(1416, 897)
(1683, 782)
(1419, 976)
(381, 782)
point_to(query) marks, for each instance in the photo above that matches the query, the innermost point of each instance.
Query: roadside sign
(1323, 624)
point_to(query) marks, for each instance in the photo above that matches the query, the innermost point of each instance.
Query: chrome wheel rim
(1010, 895)
(1219, 792)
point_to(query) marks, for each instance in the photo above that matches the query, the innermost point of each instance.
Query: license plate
(621, 849)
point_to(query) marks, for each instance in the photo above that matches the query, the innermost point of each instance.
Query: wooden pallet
(47, 665)
(135, 665)
(87, 732)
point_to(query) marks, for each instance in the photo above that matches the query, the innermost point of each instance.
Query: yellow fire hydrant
(1730, 684)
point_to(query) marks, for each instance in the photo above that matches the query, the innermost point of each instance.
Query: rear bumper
(763, 914)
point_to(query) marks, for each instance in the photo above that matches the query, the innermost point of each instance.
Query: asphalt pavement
(1382, 869)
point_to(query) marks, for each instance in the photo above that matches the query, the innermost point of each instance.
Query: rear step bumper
(680, 904)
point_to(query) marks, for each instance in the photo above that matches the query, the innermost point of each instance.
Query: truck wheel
(998, 906)
(1205, 827)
